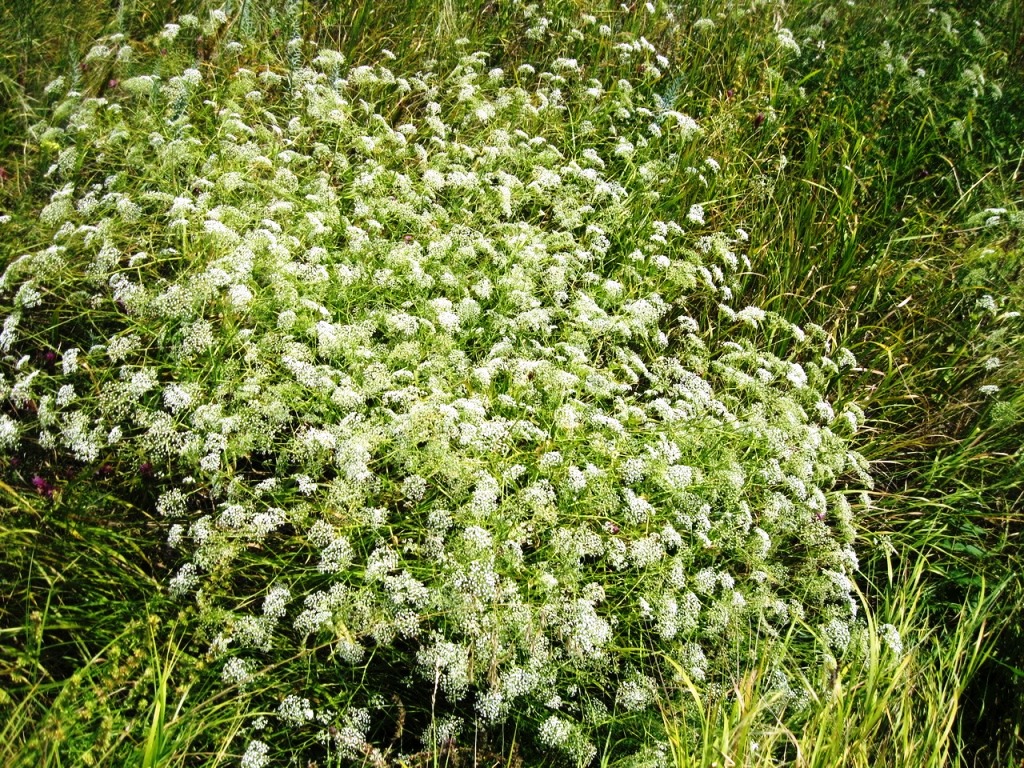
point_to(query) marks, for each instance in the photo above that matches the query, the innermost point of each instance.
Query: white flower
(797, 376)
(891, 637)
(555, 731)
(275, 601)
(624, 149)
(294, 710)
(633, 471)
(240, 296)
(256, 755)
(550, 459)
(678, 476)
(176, 398)
(169, 32)
(121, 347)
(845, 359)
(786, 41)
(752, 316)
(638, 509)
(987, 303)
(8, 433)
(172, 503)
(687, 126)
(185, 580)
(636, 693)
(837, 633)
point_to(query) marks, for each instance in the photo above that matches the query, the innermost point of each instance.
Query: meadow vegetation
(511, 384)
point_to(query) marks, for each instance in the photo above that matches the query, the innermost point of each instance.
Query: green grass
(864, 194)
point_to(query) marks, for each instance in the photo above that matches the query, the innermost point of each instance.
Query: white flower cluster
(447, 366)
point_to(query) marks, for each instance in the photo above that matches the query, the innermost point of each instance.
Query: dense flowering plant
(436, 341)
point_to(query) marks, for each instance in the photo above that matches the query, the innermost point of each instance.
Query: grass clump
(472, 399)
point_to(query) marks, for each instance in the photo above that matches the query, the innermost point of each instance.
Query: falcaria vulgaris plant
(450, 411)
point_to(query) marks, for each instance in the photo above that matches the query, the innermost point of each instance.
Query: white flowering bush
(437, 382)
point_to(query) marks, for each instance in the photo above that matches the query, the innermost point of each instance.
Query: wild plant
(443, 380)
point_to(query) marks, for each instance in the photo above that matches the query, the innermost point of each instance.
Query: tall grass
(900, 706)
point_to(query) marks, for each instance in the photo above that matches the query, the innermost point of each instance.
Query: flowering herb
(499, 422)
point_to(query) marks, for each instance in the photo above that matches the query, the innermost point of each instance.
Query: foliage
(628, 384)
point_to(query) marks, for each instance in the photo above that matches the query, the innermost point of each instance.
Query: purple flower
(43, 486)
